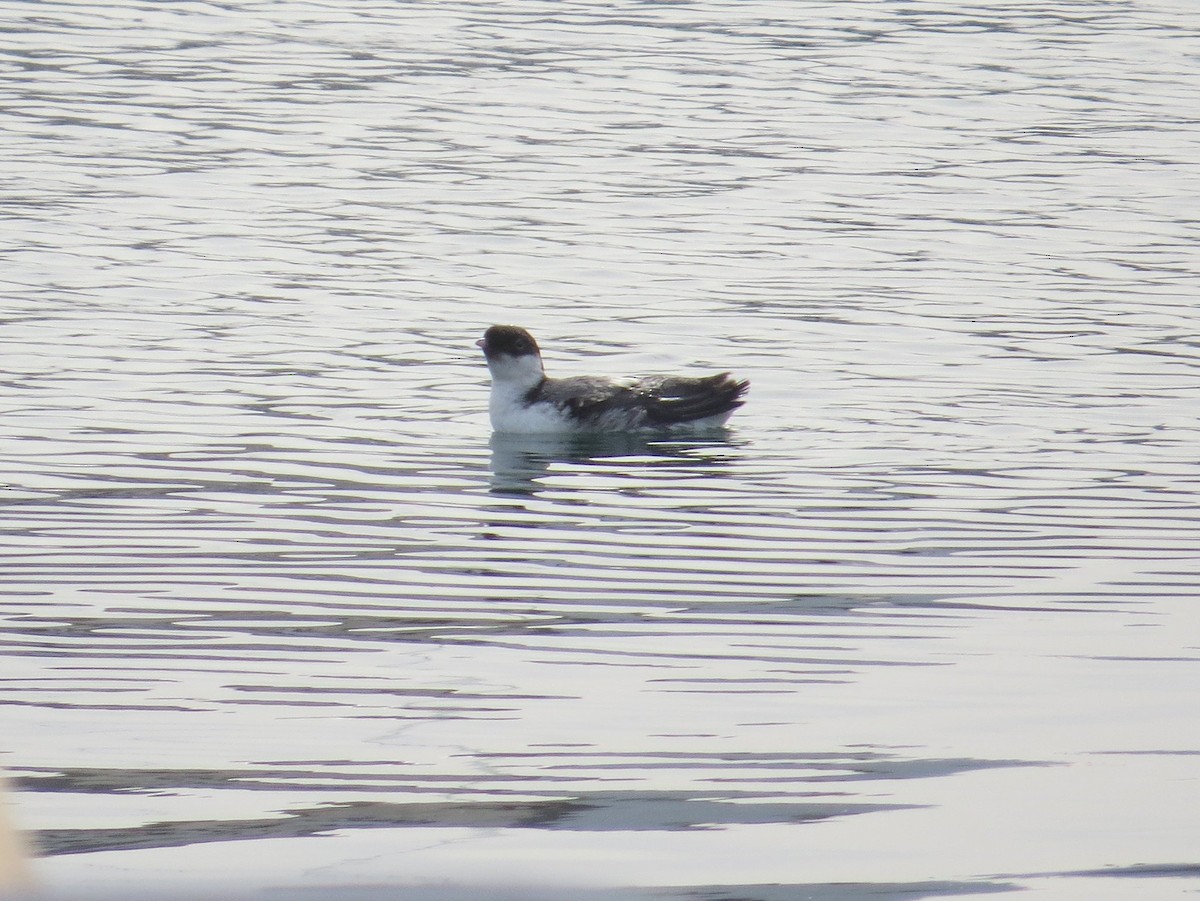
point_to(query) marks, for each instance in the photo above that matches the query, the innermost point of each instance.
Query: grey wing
(651, 402)
(596, 402)
(673, 400)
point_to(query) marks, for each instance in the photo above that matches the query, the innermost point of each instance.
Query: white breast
(511, 415)
(512, 380)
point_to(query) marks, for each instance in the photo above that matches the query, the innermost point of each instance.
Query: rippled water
(279, 619)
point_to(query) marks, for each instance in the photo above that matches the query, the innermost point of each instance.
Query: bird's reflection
(520, 462)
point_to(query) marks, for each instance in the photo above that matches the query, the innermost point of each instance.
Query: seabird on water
(525, 401)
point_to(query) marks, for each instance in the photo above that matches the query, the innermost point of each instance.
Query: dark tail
(673, 401)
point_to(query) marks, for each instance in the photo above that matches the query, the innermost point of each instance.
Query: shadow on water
(519, 463)
(874, 891)
(746, 790)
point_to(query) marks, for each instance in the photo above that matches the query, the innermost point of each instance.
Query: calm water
(279, 620)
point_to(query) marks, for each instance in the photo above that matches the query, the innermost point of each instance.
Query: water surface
(280, 620)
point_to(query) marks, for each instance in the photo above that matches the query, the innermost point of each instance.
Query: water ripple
(263, 576)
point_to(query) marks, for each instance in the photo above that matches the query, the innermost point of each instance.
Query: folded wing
(651, 402)
(674, 400)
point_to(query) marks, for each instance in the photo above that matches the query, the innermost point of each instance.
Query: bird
(524, 400)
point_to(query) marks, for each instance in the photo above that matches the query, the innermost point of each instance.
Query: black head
(507, 340)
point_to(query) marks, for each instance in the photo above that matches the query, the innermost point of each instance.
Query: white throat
(516, 374)
(512, 380)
